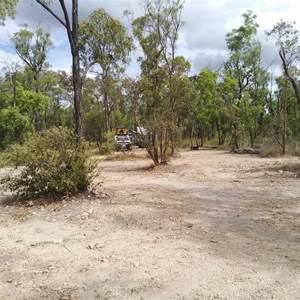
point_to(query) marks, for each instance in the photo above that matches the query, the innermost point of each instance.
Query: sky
(201, 39)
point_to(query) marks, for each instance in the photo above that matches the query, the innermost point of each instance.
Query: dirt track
(212, 225)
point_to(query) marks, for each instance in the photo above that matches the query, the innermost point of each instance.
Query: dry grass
(290, 167)
(119, 156)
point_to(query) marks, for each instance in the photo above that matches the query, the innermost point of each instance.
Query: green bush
(110, 145)
(4, 159)
(53, 165)
(107, 148)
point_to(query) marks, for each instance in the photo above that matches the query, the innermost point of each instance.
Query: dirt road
(211, 225)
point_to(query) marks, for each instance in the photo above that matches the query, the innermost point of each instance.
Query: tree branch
(292, 80)
(68, 24)
(88, 67)
(46, 7)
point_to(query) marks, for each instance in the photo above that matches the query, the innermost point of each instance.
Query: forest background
(239, 102)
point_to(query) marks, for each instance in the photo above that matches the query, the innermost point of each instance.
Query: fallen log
(246, 150)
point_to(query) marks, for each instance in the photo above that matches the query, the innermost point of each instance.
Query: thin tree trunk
(77, 83)
(292, 80)
(107, 113)
(155, 148)
(78, 110)
(164, 152)
(284, 135)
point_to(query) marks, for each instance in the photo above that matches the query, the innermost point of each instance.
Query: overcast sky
(202, 38)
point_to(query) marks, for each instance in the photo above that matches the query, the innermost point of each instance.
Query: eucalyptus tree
(94, 117)
(227, 90)
(284, 117)
(32, 47)
(287, 41)
(16, 118)
(7, 8)
(12, 70)
(244, 65)
(50, 85)
(209, 112)
(106, 44)
(163, 80)
(244, 52)
(70, 21)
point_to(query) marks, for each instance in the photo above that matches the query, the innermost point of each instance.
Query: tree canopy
(7, 9)
(239, 103)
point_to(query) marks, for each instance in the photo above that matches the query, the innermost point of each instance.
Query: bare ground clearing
(211, 225)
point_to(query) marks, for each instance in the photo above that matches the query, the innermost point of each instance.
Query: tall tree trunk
(36, 112)
(284, 135)
(77, 82)
(78, 110)
(107, 112)
(73, 36)
(164, 158)
(251, 135)
(155, 148)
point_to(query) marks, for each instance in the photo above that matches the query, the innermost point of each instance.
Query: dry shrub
(270, 150)
(126, 156)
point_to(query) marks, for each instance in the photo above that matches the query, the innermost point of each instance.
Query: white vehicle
(123, 142)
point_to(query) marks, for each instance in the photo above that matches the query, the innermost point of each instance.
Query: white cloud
(202, 38)
(8, 58)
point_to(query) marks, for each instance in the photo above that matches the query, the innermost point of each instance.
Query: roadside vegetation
(52, 165)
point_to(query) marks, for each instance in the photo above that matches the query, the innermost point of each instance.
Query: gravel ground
(211, 225)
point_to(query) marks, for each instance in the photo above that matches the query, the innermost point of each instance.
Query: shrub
(4, 159)
(270, 150)
(53, 165)
(107, 148)
(294, 148)
(274, 150)
(110, 145)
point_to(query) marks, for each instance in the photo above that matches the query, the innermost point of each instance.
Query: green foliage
(109, 146)
(244, 65)
(94, 121)
(15, 125)
(17, 114)
(106, 148)
(32, 47)
(232, 106)
(53, 164)
(4, 159)
(287, 40)
(163, 84)
(209, 110)
(104, 41)
(7, 8)
(105, 44)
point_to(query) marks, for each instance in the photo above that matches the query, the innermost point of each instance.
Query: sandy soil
(211, 225)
